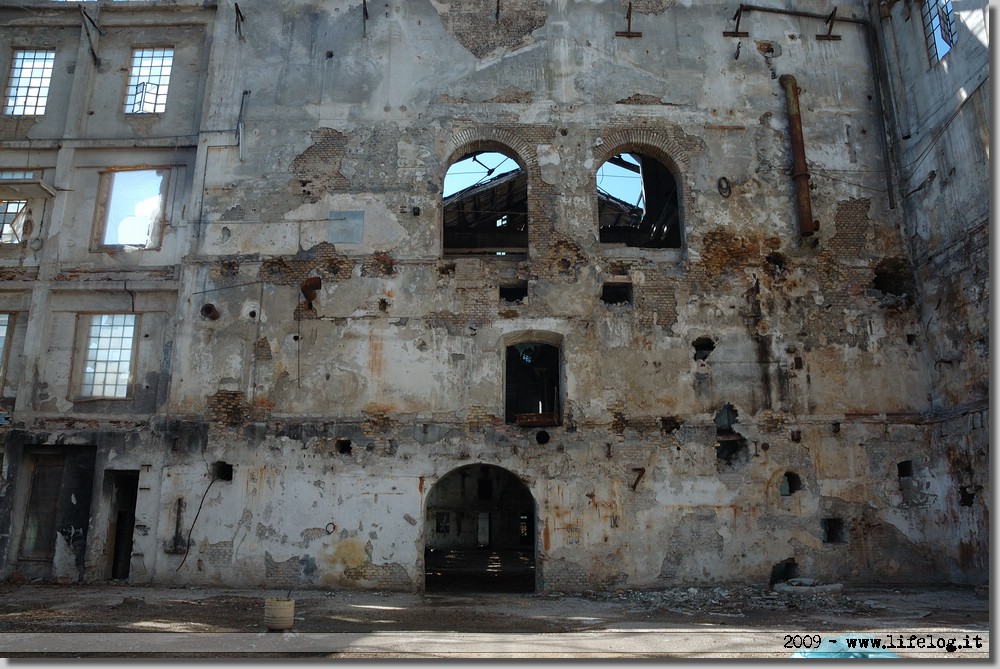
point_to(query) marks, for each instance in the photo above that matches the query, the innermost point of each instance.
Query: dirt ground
(115, 608)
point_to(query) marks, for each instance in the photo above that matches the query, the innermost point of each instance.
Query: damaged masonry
(529, 296)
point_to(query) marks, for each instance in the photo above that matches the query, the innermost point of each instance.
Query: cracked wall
(306, 328)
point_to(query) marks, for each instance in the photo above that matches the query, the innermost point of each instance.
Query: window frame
(7, 221)
(11, 102)
(938, 20)
(103, 209)
(135, 79)
(84, 332)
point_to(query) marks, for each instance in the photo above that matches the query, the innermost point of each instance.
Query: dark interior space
(480, 532)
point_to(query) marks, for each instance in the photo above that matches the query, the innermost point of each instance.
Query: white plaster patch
(548, 163)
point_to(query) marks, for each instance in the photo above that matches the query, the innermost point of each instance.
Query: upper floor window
(485, 206)
(109, 348)
(939, 28)
(6, 327)
(28, 86)
(638, 203)
(12, 215)
(148, 80)
(532, 380)
(131, 207)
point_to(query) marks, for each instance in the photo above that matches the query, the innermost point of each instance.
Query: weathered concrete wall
(339, 413)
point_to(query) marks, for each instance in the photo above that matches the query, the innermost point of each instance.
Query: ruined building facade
(249, 339)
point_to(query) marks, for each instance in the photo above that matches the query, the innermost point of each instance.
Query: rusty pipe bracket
(736, 33)
(829, 36)
(628, 32)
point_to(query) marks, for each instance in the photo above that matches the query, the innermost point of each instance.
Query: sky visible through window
(611, 179)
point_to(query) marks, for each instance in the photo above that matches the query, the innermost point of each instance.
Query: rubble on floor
(732, 600)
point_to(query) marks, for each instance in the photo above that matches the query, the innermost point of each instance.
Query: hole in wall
(222, 471)
(966, 495)
(209, 311)
(703, 347)
(383, 304)
(514, 292)
(616, 292)
(252, 314)
(669, 424)
(542, 437)
(783, 571)
(344, 446)
(894, 276)
(904, 469)
(834, 531)
(790, 484)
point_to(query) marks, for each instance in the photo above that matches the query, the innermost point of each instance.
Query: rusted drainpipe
(800, 173)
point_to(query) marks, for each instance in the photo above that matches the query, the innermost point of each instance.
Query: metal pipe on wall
(800, 172)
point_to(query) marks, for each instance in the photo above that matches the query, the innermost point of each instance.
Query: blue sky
(614, 180)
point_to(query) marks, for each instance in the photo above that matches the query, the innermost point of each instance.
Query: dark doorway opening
(123, 488)
(479, 532)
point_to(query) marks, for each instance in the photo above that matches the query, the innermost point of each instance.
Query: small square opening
(834, 531)
(904, 468)
(616, 292)
(514, 292)
(222, 471)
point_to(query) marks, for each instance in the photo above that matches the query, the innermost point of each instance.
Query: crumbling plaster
(340, 412)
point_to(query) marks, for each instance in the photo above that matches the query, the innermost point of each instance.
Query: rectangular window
(132, 207)
(148, 81)
(12, 215)
(110, 348)
(28, 86)
(939, 28)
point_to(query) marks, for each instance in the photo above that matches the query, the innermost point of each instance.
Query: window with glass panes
(107, 370)
(28, 86)
(149, 77)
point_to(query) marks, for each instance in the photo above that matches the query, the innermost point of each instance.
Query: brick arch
(658, 145)
(499, 140)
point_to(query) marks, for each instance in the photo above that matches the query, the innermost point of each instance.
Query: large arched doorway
(479, 532)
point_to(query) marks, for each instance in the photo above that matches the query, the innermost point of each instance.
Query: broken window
(107, 356)
(131, 207)
(12, 215)
(638, 202)
(533, 384)
(28, 85)
(148, 79)
(485, 206)
(939, 28)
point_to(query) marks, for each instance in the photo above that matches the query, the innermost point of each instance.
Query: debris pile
(733, 600)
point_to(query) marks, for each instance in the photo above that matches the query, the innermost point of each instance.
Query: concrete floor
(479, 570)
(119, 621)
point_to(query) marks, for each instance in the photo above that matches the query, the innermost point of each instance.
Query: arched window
(638, 202)
(532, 397)
(485, 203)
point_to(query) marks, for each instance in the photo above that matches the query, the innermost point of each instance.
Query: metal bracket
(239, 20)
(829, 36)
(736, 33)
(628, 33)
